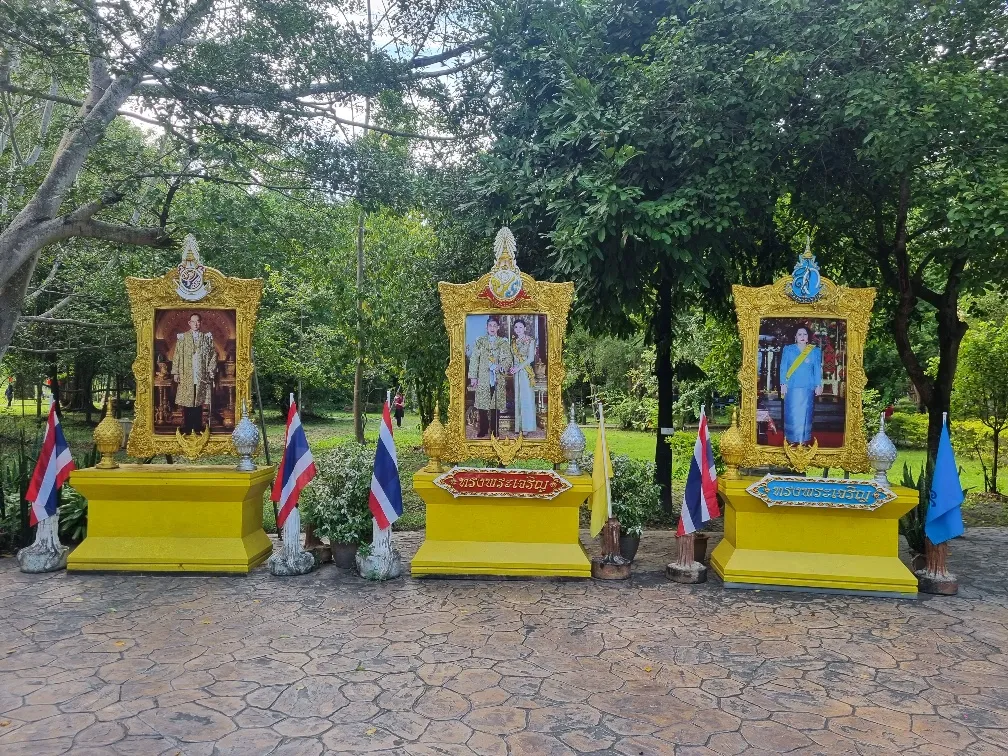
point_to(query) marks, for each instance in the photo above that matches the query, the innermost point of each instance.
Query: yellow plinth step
(832, 549)
(172, 518)
(507, 536)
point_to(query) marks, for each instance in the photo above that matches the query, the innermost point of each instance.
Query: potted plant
(336, 502)
(635, 498)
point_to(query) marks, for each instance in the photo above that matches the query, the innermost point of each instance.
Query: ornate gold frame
(457, 301)
(752, 304)
(149, 294)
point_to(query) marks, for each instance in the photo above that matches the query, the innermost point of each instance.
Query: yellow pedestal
(474, 535)
(172, 518)
(809, 547)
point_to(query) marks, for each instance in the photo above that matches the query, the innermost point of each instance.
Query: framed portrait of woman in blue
(802, 372)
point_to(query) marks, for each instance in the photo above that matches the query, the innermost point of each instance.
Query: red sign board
(479, 481)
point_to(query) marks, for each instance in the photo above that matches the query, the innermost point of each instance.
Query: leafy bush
(631, 412)
(336, 502)
(911, 525)
(682, 443)
(636, 498)
(73, 516)
(908, 431)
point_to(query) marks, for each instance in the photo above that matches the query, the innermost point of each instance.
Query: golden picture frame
(839, 316)
(231, 305)
(538, 299)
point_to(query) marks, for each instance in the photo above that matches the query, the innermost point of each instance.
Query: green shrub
(911, 525)
(72, 516)
(635, 495)
(908, 431)
(336, 502)
(682, 444)
(631, 412)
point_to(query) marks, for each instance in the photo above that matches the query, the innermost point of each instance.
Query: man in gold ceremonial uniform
(489, 362)
(194, 366)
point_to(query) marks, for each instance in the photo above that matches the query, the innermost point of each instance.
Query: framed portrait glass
(505, 371)
(802, 372)
(194, 355)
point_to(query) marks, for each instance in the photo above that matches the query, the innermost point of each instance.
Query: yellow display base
(172, 518)
(506, 536)
(830, 549)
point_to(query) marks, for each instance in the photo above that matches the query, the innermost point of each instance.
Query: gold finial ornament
(434, 441)
(108, 438)
(732, 447)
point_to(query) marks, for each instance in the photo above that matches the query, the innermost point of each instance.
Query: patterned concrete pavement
(107, 664)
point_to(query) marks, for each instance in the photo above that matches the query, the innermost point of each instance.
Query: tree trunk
(54, 382)
(12, 294)
(358, 409)
(994, 482)
(662, 329)
(950, 334)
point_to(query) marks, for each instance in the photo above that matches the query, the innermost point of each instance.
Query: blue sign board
(799, 491)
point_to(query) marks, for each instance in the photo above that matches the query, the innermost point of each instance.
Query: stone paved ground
(331, 664)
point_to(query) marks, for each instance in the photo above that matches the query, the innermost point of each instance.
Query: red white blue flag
(386, 493)
(700, 498)
(51, 470)
(297, 467)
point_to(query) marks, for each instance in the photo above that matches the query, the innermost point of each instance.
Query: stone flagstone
(333, 664)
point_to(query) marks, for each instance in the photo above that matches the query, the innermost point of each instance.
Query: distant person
(801, 382)
(398, 408)
(9, 392)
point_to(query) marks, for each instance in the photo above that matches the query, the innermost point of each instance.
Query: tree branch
(429, 60)
(48, 280)
(414, 76)
(70, 321)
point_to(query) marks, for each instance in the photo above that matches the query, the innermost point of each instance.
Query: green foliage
(911, 525)
(336, 502)
(682, 444)
(981, 384)
(908, 430)
(635, 495)
(72, 516)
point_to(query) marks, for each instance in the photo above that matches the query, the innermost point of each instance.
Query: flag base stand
(601, 569)
(611, 565)
(172, 518)
(292, 559)
(46, 554)
(935, 577)
(382, 560)
(829, 548)
(688, 573)
(686, 569)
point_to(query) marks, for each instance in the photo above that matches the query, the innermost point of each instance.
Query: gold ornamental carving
(216, 291)
(433, 440)
(753, 304)
(108, 438)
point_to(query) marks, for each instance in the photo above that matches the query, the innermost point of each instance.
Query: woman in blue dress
(800, 384)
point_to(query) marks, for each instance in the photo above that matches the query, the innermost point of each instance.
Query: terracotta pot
(344, 555)
(628, 545)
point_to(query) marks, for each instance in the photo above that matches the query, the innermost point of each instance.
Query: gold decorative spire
(732, 448)
(434, 441)
(108, 438)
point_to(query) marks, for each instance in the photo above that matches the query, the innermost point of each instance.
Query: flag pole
(262, 426)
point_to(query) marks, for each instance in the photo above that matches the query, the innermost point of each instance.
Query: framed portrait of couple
(802, 375)
(505, 371)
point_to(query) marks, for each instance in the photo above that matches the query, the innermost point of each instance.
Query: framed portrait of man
(505, 371)
(193, 367)
(802, 372)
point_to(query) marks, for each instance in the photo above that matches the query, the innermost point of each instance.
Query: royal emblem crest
(806, 284)
(190, 284)
(505, 286)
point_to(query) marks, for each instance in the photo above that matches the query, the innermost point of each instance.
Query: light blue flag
(944, 517)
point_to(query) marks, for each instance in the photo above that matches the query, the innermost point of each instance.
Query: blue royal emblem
(806, 284)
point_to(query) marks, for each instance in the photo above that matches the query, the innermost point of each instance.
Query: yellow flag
(602, 472)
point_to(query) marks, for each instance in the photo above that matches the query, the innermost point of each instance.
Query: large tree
(259, 88)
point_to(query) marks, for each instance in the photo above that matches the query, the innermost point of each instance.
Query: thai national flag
(386, 493)
(51, 470)
(700, 498)
(297, 467)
